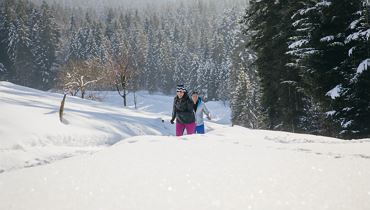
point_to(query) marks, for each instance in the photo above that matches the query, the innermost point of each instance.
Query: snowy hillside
(228, 168)
(31, 133)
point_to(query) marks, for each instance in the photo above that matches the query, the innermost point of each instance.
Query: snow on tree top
(363, 66)
(335, 92)
(327, 39)
(298, 43)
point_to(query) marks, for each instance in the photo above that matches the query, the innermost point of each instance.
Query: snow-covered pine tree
(6, 70)
(23, 41)
(215, 72)
(100, 49)
(204, 65)
(133, 45)
(189, 61)
(116, 38)
(34, 23)
(19, 45)
(177, 53)
(109, 24)
(192, 60)
(352, 110)
(152, 65)
(321, 52)
(306, 21)
(229, 29)
(244, 85)
(243, 102)
(268, 23)
(47, 46)
(166, 64)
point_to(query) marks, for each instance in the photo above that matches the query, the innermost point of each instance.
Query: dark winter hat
(180, 88)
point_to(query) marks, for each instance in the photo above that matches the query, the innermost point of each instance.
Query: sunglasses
(180, 91)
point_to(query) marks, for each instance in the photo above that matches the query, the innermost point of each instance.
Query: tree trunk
(124, 98)
(135, 99)
(61, 109)
(82, 92)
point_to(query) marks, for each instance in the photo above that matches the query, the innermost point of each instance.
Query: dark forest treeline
(29, 40)
(134, 49)
(313, 59)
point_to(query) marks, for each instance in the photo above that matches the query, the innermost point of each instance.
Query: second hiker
(199, 108)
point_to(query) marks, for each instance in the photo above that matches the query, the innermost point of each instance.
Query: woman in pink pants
(183, 112)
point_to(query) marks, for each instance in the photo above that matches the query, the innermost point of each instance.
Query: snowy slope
(228, 168)
(31, 133)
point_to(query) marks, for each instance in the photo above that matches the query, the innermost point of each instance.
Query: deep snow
(228, 168)
(31, 133)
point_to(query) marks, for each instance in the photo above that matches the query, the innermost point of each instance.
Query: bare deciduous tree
(77, 76)
(123, 75)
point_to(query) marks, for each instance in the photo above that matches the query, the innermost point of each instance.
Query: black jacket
(183, 110)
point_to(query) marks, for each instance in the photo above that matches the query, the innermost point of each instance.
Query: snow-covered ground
(228, 168)
(31, 133)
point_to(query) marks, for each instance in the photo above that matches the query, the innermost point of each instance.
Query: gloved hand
(172, 121)
(209, 117)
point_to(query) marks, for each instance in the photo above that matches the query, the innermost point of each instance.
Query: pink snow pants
(190, 128)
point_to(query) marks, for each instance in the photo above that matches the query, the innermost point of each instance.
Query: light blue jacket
(201, 108)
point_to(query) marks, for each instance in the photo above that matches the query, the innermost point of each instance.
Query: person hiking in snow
(199, 108)
(183, 112)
